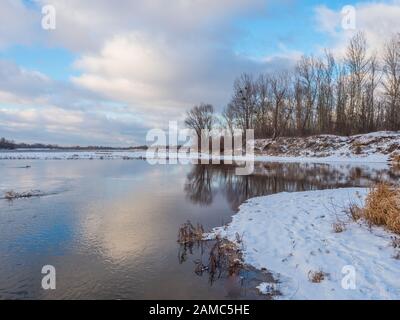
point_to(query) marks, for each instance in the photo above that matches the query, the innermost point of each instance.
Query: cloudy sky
(112, 70)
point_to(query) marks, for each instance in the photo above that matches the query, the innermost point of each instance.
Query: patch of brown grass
(357, 148)
(355, 212)
(338, 227)
(395, 160)
(189, 234)
(317, 276)
(225, 256)
(382, 207)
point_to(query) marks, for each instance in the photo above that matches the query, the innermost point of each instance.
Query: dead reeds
(317, 276)
(395, 160)
(382, 207)
(188, 233)
(225, 257)
(338, 227)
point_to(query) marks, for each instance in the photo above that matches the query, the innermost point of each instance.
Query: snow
(372, 158)
(291, 235)
(130, 155)
(372, 148)
(70, 155)
(376, 147)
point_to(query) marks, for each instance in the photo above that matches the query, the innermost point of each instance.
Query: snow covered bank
(134, 155)
(371, 147)
(292, 235)
(375, 147)
(70, 155)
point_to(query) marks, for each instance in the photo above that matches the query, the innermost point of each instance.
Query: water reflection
(203, 182)
(111, 231)
(198, 187)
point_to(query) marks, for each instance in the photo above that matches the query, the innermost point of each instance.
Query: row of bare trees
(356, 94)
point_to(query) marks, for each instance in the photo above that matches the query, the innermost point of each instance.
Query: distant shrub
(6, 144)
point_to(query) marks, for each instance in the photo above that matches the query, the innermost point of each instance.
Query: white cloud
(18, 23)
(377, 20)
(85, 25)
(154, 59)
(51, 124)
(34, 106)
(154, 75)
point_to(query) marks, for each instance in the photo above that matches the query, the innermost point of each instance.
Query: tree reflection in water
(205, 181)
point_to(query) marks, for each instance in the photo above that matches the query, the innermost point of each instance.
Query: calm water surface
(110, 227)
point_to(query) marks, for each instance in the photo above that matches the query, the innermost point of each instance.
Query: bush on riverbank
(382, 207)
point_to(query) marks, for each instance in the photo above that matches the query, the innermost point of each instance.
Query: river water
(110, 227)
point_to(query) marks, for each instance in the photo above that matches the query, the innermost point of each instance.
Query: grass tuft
(190, 234)
(338, 227)
(382, 207)
(317, 276)
(395, 161)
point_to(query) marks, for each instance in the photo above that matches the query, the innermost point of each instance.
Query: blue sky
(55, 62)
(109, 72)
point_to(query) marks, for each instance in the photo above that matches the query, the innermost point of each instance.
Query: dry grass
(189, 234)
(357, 148)
(396, 256)
(355, 212)
(395, 161)
(382, 207)
(225, 255)
(395, 242)
(317, 276)
(338, 227)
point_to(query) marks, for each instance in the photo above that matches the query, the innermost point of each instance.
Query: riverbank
(378, 147)
(313, 248)
(372, 147)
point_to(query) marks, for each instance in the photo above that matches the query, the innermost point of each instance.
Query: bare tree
(391, 83)
(358, 65)
(229, 119)
(243, 103)
(325, 103)
(306, 95)
(341, 96)
(321, 95)
(280, 90)
(200, 118)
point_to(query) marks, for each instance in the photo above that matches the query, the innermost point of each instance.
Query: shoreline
(292, 236)
(376, 147)
(137, 155)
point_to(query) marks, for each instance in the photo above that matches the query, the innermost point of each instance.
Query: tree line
(11, 145)
(358, 93)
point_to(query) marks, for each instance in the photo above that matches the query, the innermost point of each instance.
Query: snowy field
(292, 236)
(132, 155)
(375, 147)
